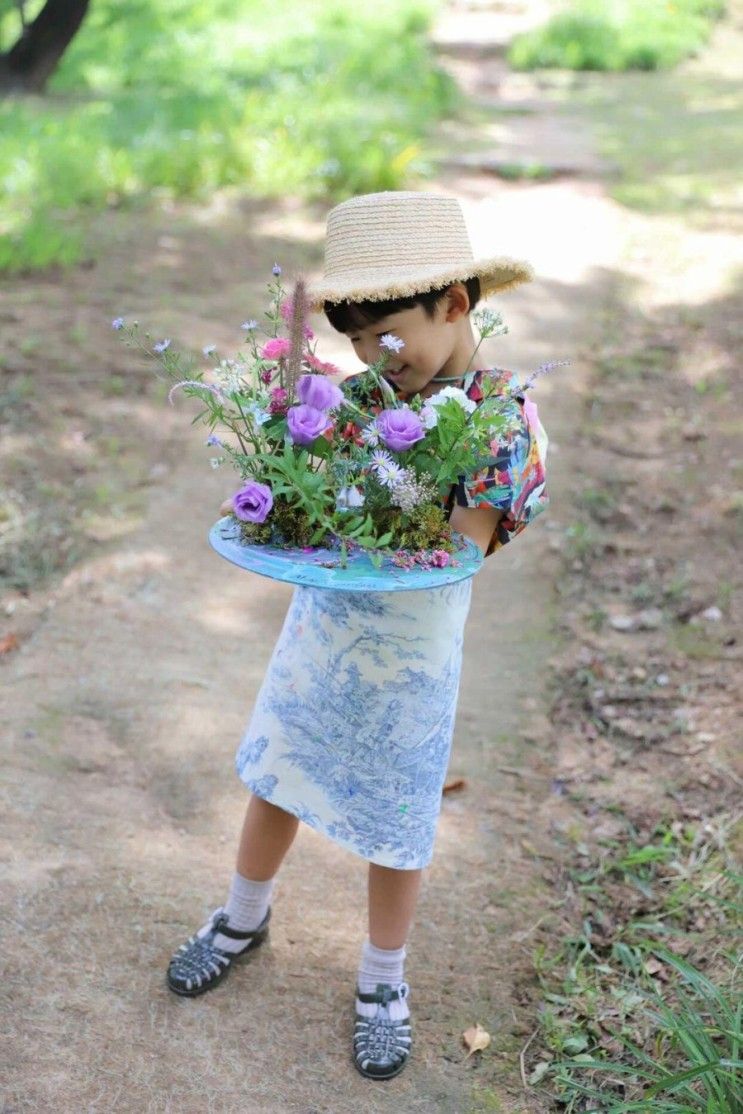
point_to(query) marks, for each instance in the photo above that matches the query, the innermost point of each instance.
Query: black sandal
(381, 1046)
(198, 966)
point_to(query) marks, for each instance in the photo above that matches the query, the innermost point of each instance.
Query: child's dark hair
(344, 316)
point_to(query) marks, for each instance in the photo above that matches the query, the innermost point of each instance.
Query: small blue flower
(117, 323)
(161, 346)
(209, 349)
(249, 326)
(276, 270)
(212, 439)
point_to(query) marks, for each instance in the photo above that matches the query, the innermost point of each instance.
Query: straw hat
(396, 243)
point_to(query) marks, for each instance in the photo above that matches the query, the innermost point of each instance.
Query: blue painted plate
(321, 568)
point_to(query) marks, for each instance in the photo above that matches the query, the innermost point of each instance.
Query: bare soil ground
(132, 655)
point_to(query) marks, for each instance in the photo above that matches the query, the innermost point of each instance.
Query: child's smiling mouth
(398, 373)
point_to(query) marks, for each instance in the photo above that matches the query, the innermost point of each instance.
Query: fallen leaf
(10, 642)
(455, 785)
(476, 1038)
(539, 1072)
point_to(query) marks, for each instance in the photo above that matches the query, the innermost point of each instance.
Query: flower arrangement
(319, 467)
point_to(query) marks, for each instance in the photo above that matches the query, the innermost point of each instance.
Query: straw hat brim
(496, 274)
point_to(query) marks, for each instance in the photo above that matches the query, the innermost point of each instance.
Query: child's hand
(225, 506)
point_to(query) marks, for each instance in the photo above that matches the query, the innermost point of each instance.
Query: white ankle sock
(381, 965)
(246, 907)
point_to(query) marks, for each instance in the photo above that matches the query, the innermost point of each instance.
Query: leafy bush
(617, 35)
(183, 97)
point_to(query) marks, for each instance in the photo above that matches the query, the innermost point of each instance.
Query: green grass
(627, 1023)
(179, 98)
(617, 35)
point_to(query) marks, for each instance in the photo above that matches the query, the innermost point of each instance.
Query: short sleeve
(513, 479)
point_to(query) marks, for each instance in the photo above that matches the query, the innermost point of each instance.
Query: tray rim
(400, 578)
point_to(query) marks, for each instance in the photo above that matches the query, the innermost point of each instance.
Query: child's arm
(476, 523)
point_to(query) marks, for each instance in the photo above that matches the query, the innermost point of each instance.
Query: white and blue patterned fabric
(352, 726)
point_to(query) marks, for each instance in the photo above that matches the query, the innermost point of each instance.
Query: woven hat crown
(397, 243)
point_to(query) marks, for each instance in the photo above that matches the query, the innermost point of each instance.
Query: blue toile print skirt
(352, 726)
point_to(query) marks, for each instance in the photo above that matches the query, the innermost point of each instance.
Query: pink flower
(275, 348)
(279, 400)
(441, 558)
(321, 366)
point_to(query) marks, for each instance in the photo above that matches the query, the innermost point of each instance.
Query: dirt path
(129, 695)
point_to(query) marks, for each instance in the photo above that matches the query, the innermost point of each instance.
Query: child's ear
(457, 301)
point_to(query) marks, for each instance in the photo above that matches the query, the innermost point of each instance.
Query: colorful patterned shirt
(513, 480)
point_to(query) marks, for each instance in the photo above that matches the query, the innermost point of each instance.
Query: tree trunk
(31, 61)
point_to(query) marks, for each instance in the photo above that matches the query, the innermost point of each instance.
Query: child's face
(433, 346)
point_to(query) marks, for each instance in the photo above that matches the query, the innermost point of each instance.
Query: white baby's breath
(488, 323)
(228, 375)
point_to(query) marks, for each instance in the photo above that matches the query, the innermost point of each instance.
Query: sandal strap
(384, 994)
(223, 928)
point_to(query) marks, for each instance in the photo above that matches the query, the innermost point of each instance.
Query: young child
(352, 727)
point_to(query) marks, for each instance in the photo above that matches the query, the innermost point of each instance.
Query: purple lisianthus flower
(306, 423)
(117, 323)
(315, 390)
(253, 502)
(399, 429)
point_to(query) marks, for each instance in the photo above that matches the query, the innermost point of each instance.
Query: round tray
(321, 568)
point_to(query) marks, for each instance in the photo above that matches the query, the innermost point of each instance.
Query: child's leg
(204, 960)
(382, 1038)
(267, 835)
(393, 895)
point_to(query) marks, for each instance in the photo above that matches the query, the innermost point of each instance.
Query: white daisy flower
(370, 435)
(391, 342)
(381, 456)
(385, 468)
